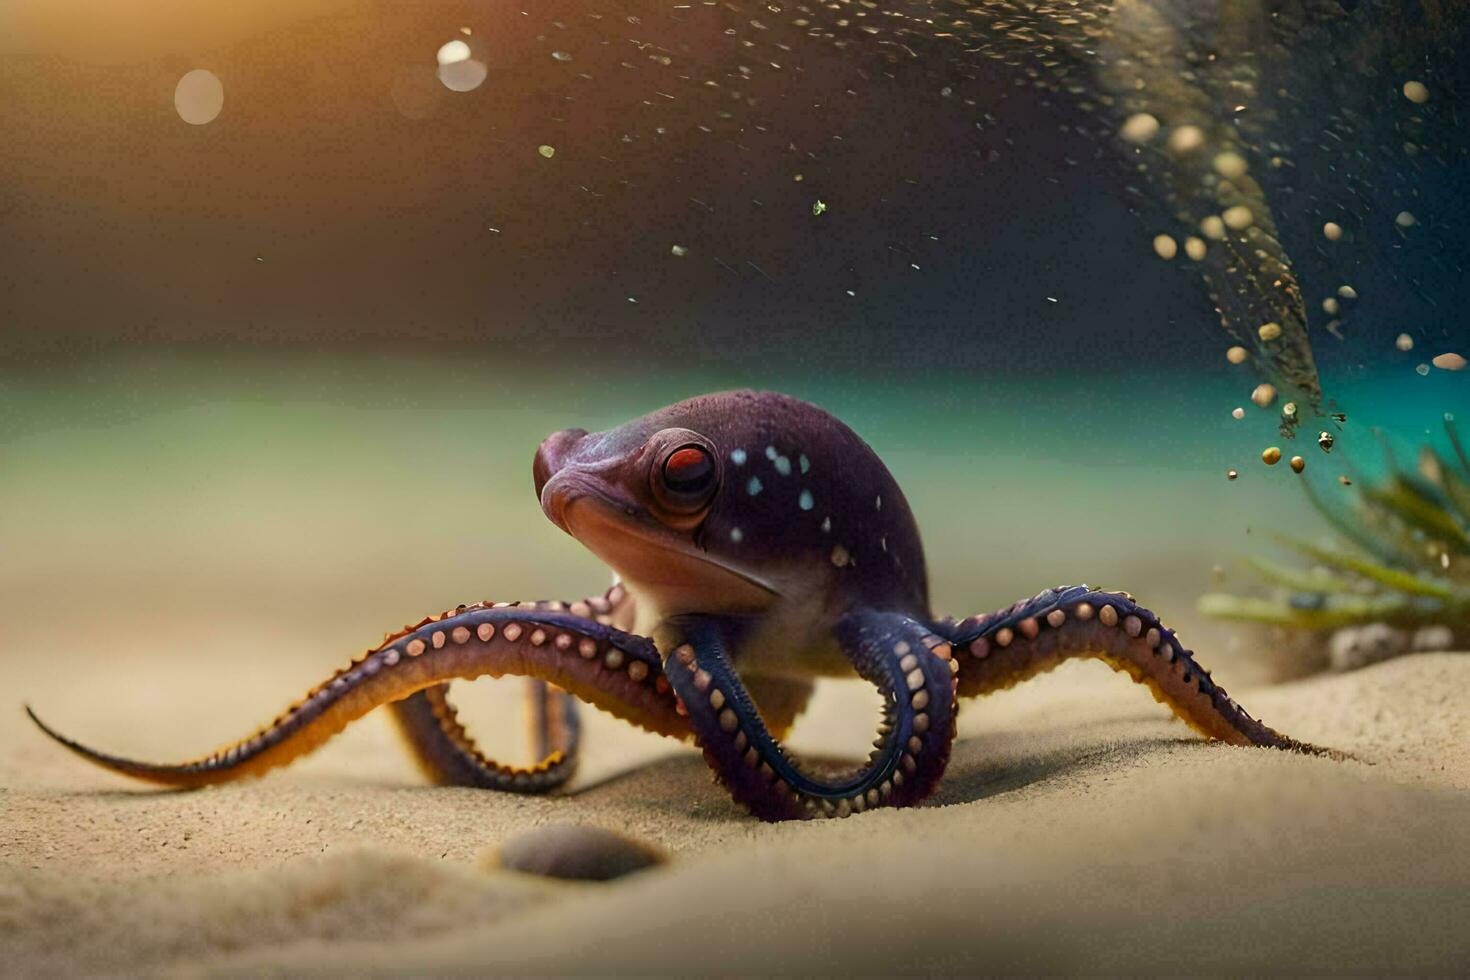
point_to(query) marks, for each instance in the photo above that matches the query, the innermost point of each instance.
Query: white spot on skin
(804, 463)
(783, 465)
(736, 535)
(754, 486)
(737, 456)
(805, 500)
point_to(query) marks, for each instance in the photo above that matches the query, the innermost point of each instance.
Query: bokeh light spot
(459, 70)
(453, 53)
(199, 97)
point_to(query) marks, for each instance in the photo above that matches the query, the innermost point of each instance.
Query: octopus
(759, 544)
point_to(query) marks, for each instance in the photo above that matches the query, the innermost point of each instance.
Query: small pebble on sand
(1404, 342)
(1449, 361)
(578, 852)
(1416, 92)
(1271, 455)
(1332, 231)
(1237, 355)
(1165, 247)
(1264, 395)
(1298, 464)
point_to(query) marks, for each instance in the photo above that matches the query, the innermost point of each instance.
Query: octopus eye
(687, 479)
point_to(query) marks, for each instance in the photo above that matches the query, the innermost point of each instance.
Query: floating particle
(1331, 306)
(1416, 92)
(1237, 355)
(797, 178)
(1237, 218)
(1271, 455)
(1185, 139)
(546, 150)
(1422, 370)
(1230, 165)
(819, 207)
(1449, 361)
(678, 250)
(458, 70)
(1269, 331)
(1231, 474)
(199, 97)
(1289, 410)
(1405, 219)
(1347, 292)
(1194, 248)
(1343, 479)
(1298, 464)
(562, 55)
(1325, 440)
(1212, 227)
(1165, 247)
(1264, 395)
(1404, 342)
(1237, 413)
(1332, 231)
(453, 52)
(1139, 128)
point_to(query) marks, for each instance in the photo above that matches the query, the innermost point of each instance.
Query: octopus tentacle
(448, 755)
(908, 664)
(617, 671)
(1035, 635)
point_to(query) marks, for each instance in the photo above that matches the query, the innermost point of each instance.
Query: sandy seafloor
(1077, 829)
(185, 565)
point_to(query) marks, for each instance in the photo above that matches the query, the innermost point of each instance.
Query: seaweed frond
(1402, 558)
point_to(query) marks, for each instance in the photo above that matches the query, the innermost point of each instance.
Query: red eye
(688, 478)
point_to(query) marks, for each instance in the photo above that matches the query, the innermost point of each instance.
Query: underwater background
(277, 342)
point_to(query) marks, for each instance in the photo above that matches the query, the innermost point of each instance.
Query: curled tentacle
(1035, 635)
(911, 668)
(447, 754)
(617, 671)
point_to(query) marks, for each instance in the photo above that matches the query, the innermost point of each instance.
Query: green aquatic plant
(1402, 557)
